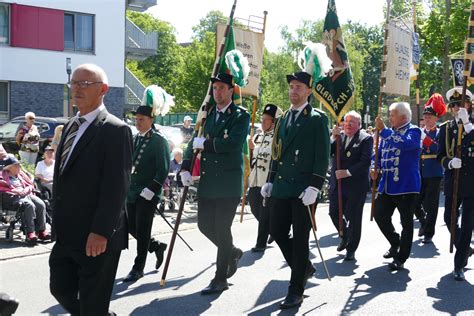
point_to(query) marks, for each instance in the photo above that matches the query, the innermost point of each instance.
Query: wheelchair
(173, 193)
(10, 215)
(11, 212)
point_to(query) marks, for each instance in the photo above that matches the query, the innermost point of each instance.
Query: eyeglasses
(83, 83)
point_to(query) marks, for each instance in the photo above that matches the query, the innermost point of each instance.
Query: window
(3, 98)
(4, 23)
(79, 32)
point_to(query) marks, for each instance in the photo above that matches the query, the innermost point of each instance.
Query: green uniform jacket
(151, 162)
(300, 155)
(222, 160)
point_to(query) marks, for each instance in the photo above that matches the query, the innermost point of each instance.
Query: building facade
(41, 41)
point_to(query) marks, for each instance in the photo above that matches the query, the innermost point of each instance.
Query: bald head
(97, 71)
(89, 84)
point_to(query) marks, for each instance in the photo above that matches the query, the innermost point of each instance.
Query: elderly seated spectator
(177, 159)
(45, 169)
(19, 187)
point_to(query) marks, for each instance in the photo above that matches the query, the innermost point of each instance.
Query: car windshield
(172, 133)
(9, 129)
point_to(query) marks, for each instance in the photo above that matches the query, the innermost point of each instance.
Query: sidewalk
(18, 248)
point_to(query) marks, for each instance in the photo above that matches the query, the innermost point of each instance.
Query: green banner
(336, 90)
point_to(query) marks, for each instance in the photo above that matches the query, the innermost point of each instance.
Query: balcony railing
(134, 89)
(140, 45)
(140, 5)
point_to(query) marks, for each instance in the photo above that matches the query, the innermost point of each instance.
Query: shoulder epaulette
(243, 109)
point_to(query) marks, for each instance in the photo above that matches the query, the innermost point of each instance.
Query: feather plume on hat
(314, 60)
(158, 99)
(239, 67)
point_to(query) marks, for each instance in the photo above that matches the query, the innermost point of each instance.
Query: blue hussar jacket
(399, 156)
(429, 166)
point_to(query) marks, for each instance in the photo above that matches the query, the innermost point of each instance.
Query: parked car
(173, 134)
(46, 126)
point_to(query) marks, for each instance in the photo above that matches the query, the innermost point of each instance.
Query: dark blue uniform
(431, 174)
(447, 150)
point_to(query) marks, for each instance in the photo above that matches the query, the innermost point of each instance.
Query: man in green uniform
(300, 157)
(151, 159)
(221, 182)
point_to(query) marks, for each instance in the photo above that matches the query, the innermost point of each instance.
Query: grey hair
(354, 114)
(177, 150)
(93, 68)
(403, 109)
(29, 114)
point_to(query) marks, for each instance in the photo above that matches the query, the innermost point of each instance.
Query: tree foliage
(184, 70)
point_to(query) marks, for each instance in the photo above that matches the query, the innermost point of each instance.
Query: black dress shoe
(258, 249)
(310, 270)
(390, 253)
(215, 287)
(133, 276)
(350, 256)
(291, 300)
(232, 267)
(395, 265)
(458, 274)
(159, 253)
(270, 239)
(427, 240)
(342, 244)
(8, 305)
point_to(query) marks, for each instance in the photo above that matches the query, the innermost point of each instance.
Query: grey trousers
(34, 217)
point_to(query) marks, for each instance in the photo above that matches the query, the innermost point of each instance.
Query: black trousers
(385, 205)
(261, 213)
(285, 213)
(215, 217)
(463, 234)
(140, 222)
(427, 204)
(352, 207)
(82, 285)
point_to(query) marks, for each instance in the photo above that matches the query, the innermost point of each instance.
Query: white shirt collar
(224, 108)
(91, 116)
(140, 134)
(299, 109)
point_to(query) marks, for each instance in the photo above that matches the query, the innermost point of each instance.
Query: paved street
(363, 287)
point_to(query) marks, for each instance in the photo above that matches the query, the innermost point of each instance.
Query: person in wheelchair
(15, 183)
(45, 169)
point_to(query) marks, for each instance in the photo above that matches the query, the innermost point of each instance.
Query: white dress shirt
(89, 118)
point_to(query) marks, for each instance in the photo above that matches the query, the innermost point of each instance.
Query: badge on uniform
(348, 154)
(225, 134)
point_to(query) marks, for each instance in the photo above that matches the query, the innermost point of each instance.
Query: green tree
(162, 68)
(443, 33)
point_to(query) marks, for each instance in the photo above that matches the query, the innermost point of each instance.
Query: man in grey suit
(91, 180)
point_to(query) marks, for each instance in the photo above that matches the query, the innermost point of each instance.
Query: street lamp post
(68, 71)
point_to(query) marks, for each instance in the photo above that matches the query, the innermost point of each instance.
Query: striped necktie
(70, 140)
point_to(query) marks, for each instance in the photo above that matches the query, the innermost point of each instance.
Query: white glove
(186, 178)
(455, 163)
(147, 194)
(309, 195)
(266, 190)
(198, 142)
(468, 127)
(463, 115)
